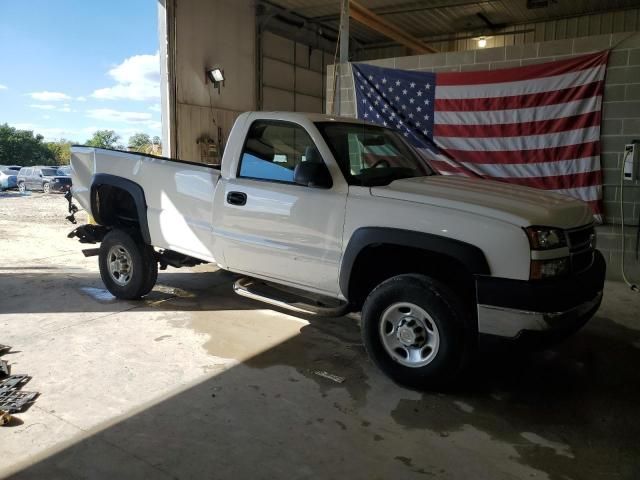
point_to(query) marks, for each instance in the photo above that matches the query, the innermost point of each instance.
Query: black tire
(456, 336)
(46, 187)
(141, 257)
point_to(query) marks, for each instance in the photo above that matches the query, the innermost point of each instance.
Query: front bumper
(550, 309)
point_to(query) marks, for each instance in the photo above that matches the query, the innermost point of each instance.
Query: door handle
(237, 198)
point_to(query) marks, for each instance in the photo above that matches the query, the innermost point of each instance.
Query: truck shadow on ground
(571, 411)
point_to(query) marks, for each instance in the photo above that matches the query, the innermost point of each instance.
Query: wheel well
(115, 207)
(376, 263)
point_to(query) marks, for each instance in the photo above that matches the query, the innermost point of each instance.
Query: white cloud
(110, 115)
(155, 108)
(137, 78)
(81, 99)
(43, 107)
(64, 108)
(3, 87)
(46, 96)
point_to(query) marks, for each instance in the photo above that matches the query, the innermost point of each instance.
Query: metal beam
(344, 31)
(411, 7)
(452, 37)
(344, 55)
(375, 22)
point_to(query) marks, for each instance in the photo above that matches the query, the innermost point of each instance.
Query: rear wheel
(128, 267)
(21, 187)
(417, 331)
(46, 188)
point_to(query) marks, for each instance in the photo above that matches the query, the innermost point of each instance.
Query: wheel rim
(120, 265)
(409, 335)
(46, 188)
(21, 187)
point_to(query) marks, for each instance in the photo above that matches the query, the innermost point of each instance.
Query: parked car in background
(64, 170)
(11, 167)
(45, 179)
(8, 179)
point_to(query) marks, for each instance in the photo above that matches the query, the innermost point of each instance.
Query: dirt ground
(196, 382)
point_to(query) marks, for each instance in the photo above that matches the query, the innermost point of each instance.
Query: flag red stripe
(529, 72)
(541, 127)
(557, 182)
(444, 167)
(520, 101)
(568, 152)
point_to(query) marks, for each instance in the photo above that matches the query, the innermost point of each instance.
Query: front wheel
(21, 187)
(128, 267)
(417, 331)
(46, 188)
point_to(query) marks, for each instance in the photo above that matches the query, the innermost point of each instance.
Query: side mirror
(312, 174)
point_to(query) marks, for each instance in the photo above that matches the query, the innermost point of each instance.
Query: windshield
(369, 155)
(49, 172)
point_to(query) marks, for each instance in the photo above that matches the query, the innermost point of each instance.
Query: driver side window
(273, 149)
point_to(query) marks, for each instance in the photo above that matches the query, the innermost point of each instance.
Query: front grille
(64, 181)
(581, 242)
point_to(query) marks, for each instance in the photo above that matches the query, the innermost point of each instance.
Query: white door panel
(284, 231)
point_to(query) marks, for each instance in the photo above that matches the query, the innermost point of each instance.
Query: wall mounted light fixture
(215, 75)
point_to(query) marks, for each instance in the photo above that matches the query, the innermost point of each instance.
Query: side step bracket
(290, 298)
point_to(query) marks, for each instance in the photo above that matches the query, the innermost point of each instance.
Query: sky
(71, 67)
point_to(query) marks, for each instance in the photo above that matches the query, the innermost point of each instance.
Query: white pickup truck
(329, 216)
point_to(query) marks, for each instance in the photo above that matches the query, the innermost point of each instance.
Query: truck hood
(522, 206)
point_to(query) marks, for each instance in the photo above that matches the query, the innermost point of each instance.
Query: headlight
(556, 267)
(545, 238)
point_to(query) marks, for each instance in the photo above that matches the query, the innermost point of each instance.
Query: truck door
(273, 227)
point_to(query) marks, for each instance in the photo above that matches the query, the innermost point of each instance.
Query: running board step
(290, 298)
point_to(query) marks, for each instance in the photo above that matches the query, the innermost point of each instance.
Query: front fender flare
(468, 255)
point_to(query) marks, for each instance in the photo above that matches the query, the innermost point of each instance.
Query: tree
(22, 147)
(142, 142)
(61, 151)
(156, 146)
(105, 139)
(139, 142)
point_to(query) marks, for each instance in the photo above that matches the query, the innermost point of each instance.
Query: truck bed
(178, 194)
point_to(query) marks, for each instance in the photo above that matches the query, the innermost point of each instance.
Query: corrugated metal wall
(292, 75)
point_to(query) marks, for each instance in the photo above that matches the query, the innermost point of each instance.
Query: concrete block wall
(620, 124)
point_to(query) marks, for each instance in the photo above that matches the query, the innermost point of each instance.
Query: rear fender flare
(136, 192)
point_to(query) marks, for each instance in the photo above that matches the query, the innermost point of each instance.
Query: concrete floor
(195, 382)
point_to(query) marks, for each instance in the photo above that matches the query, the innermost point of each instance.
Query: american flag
(537, 125)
